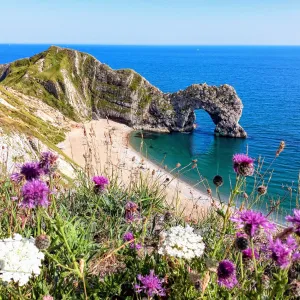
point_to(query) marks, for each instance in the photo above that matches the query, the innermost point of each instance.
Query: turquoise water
(267, 79)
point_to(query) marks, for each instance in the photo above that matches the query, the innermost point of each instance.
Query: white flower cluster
(182, 242)
(19, 259)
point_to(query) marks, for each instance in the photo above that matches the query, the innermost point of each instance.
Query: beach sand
(102, 146)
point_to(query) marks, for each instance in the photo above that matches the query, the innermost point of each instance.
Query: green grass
(89, 259)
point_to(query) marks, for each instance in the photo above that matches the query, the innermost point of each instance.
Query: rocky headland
(82, 88)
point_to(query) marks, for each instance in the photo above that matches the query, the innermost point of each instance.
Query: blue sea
(267, 79)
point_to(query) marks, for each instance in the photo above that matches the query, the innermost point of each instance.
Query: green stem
(254, 258)
(70, 252)
(38, 216)
(242, 267)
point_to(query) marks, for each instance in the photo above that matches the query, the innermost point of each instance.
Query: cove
(214, 157)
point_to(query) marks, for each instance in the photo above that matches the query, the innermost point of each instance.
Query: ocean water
(267, 79)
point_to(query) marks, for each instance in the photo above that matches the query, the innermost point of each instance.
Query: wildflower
(241, 242)
(227, 274)
(295, 220)
(128, 236)
(252, 221)
(218, 180)
(48, 162)
(262, 190)
(284, 252)
(42, 241)
(48, 297)
(248, 254)
(35, 193)
(100, 183)
(182, 242)
(20, 259)
(294, 288)
(16, 177)
(243, 165)
(135, 246)
(281, 148)
(31, 170)
(131, 211)
(150, 284)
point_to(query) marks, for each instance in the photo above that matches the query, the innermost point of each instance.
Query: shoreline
(104, 146)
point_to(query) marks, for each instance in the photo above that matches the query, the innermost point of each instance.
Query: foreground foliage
(97, 240)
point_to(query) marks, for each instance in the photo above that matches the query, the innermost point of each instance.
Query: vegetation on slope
(101, 240)
(19, 119)
(41, 76)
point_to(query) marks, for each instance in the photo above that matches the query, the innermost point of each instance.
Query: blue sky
(185, 22)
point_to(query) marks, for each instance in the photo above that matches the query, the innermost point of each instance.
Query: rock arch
(221, 103)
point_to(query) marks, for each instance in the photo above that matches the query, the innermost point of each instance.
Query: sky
(151, 22)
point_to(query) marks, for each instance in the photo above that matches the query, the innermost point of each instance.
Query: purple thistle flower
(150, 284)
(295, 219)
(247, 253)
(227, 274)
(252, 221)
(31, 170)
(128, 236)
(284, 252)
(35, 193)
(16, 177)
(48, 162)
(100, 183)
(243, 164)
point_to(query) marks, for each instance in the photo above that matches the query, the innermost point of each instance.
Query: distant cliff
(81, 87)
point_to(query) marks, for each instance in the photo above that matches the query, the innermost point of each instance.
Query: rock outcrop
(81, 87)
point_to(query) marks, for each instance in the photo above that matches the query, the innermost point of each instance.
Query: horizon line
(158, 45)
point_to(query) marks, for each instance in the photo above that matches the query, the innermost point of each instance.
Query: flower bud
(241, 243)
(218, 180)
(262, 190)
(42, 241)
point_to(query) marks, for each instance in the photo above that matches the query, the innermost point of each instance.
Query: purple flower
(150, 284)
(131, 211)
(227, 274)
(31, 170)
(251, 221)
(35, 193)
(48, 162)
(136, 246)
(128, 236)
(284, 252)
(131, 206)
(16, 177)
(295, 219)
(243, 164)
(100, 183)
(247, 253)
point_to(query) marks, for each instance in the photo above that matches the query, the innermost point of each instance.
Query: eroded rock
(92, 89)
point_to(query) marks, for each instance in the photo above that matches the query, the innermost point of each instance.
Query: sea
(266, 78)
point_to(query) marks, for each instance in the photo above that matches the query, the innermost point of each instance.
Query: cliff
(81, 87)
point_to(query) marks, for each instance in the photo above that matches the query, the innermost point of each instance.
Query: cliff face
(81, 87)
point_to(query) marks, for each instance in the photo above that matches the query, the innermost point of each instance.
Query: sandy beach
(102, 146)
